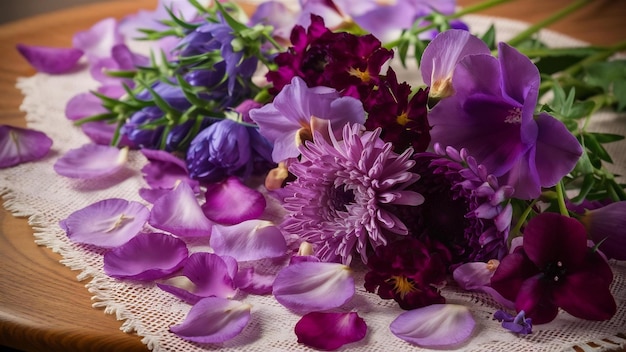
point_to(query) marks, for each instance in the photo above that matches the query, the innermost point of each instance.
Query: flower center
(402, 285)
(340, 198)
(554, 271)
(515, 116)
(402, 119)
(364, 76)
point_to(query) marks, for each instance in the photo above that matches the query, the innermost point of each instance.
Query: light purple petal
(98, 41)
(146, 257)
(20, 145)
(83, 105)
(435, 326)
(309, 286)
(249, 240)
(101, 132)
(165, 170)
(473, 275)
(329, 331)
(204, 275)
(50, 60)
(107, 223)
(231, 202)
(179, 212)
(91, 161)
(214, 320)
(250, 281)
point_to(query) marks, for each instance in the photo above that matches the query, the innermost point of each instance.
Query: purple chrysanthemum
(342, 197)
(464, 207)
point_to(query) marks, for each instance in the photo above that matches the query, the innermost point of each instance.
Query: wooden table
(42, 305)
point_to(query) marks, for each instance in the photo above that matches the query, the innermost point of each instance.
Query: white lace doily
(34, 190)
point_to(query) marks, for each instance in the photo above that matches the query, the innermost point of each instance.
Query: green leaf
(606, 137)
(230, 20)
(489, 37)
(587, 185)
(619, 90)
(595, 147)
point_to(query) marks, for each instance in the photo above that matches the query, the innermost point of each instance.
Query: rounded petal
(535, 298)
(91, 161)
(329, 331)
(20, 145)
(231, 202)
(510, 275)
(50, 60)
(436, 325)
(107, 223)
(179, 212)
(84, 105)
(249, 240)
(98, 40)
(214, 320)
(473, 276)
(146, 257)
(310, 286)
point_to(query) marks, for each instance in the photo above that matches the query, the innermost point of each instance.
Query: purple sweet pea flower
(554, 268)
(20, 145)
(518, 324)
(491, 115)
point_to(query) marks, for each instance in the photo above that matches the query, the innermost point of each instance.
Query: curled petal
(437, 325)
(473, 275)
(231, 202)
(249, 240)
(310, 286)
(107, 223)
(329, 331)
(20, 145)
(178, 212)
(50, 60)
(214, 320)
(165, 170)
(91, 161)
(146, 257)
(248, 280)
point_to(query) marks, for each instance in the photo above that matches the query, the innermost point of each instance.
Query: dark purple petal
(179, 213)
(249, 240)
(231, 202)
(146, 257)
(519, 74)
(50, 60)
(435, 326)
(606, 226)
(214, 320)
(20, 145)
(510, 275)
(107, 223)
(329, 331)
(535, 298)
(91, 161)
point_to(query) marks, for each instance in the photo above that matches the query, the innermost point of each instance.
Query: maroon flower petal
(50, 60)
(20, 145)
(329, 331)
(511, 274)
(534, 298)
(146, 257)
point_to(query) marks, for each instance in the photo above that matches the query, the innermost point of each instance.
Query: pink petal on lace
(231, 202)
(435, 326)
(204, 275)
(250, 281)
(214, 320)
(91, 161)
(178, 212)
(20, 145)
(83, 105)
(309, 286)
(99, 40)
(146, 257)
(107, 223)
(165, 170)
(249, 240)
(50, 60)
(329, 331)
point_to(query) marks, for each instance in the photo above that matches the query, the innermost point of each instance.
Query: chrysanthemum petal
(20, 145)
(437, 325)
(91, 161)
(249, 240)
(231, 202)
(50, 60)
(107, 223)
(179, 212)
(310, 286)
(146, 257)
(204, 275)
(214, 320)
(328, 331)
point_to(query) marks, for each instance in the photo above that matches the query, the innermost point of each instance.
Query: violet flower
(491, 114)
(605, 226)
(227, 148)
(518, 324)
(19, 145)
(554, 268)
(343, 196)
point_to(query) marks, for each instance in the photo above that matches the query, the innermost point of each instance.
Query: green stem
(548, 21)
(601, 56)
(522, 219)
(560, 193)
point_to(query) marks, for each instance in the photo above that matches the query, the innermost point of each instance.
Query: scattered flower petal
(329, 331)
(146, 257)
(435, 326)
(250, 281)
(179, 212)
(231, 202)
(309, 286)
(249, 240)
(91, 161)
(98, 41)
(214, 320)
(50, 60)
(107, 223)
(518, 324)
(20, 145)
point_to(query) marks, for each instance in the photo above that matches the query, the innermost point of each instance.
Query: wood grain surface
(42, 305)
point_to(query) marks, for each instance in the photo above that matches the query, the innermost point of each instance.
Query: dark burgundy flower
(408, 271)
(554, 268)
